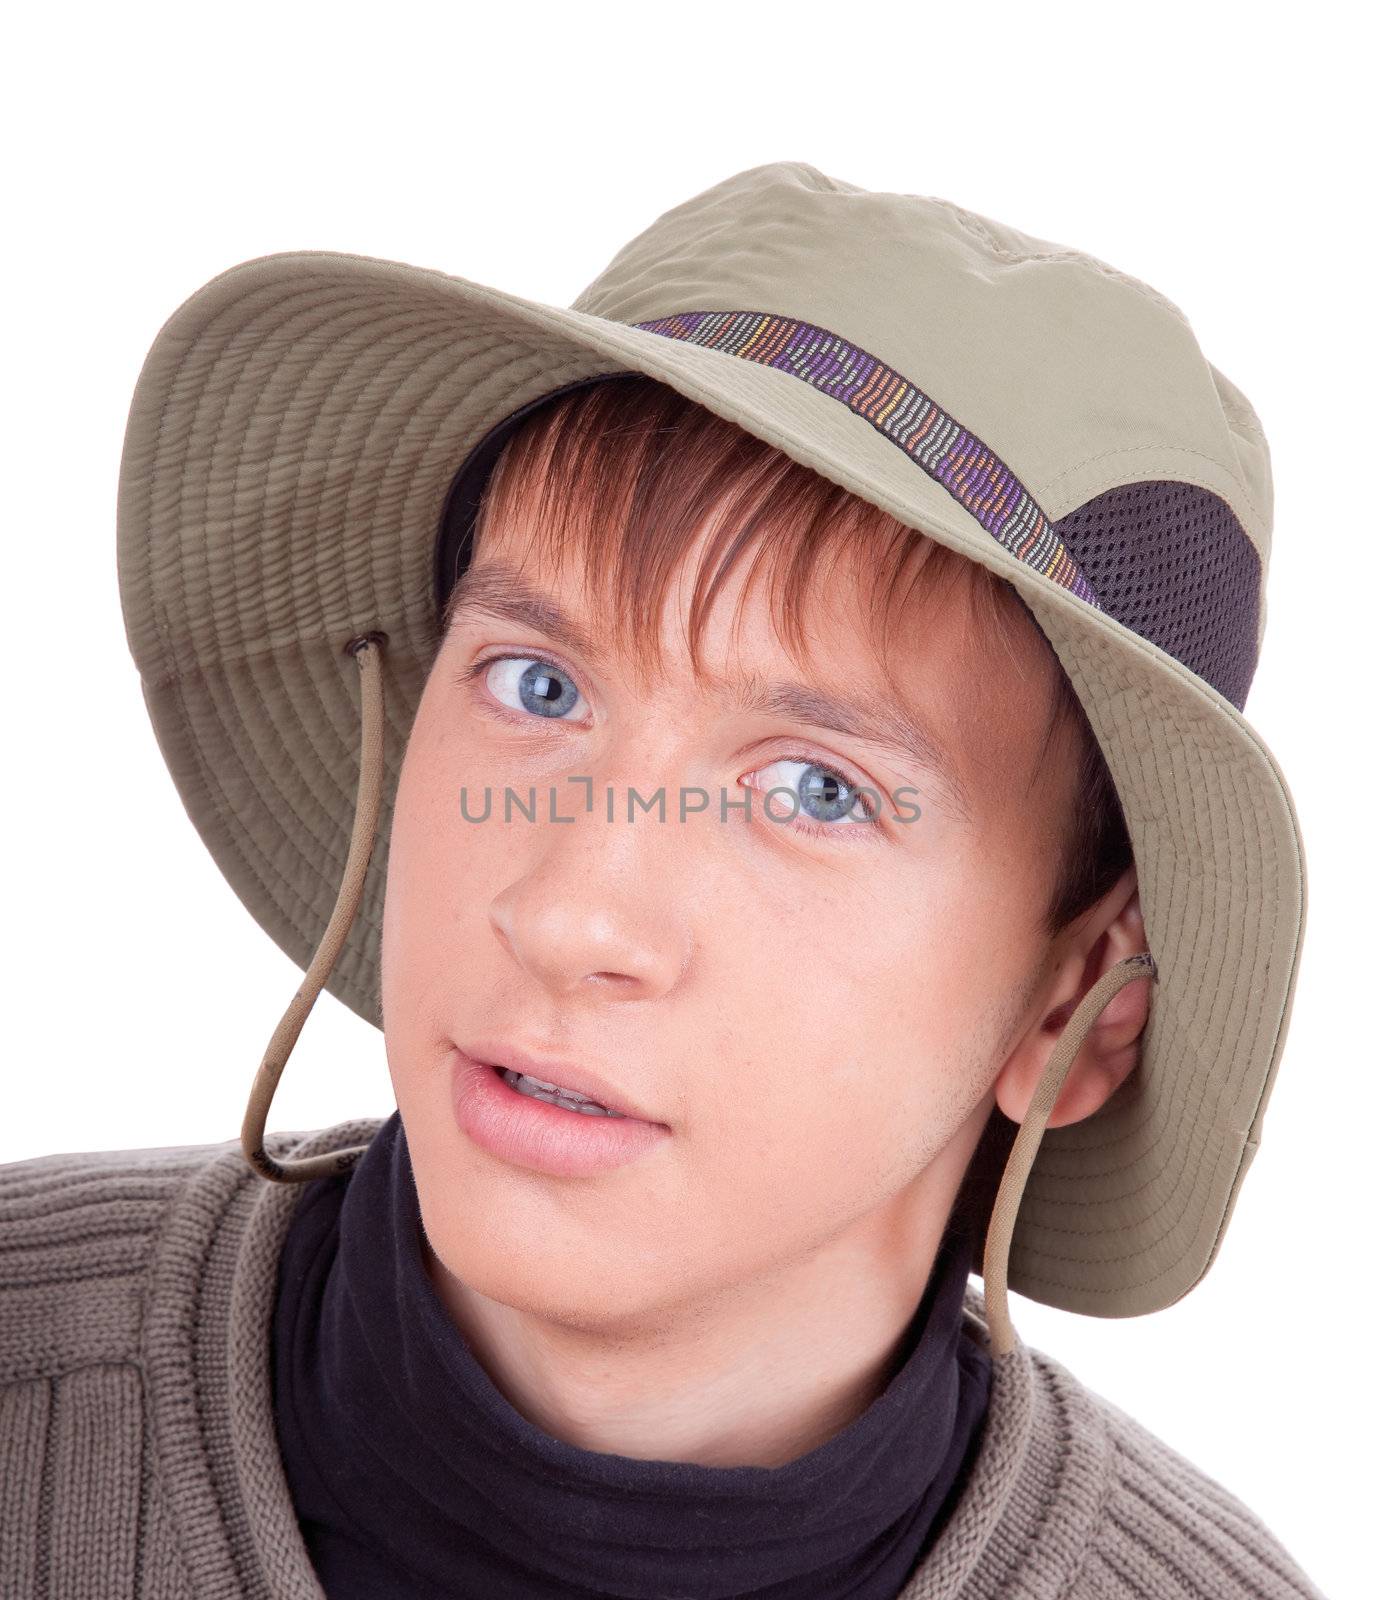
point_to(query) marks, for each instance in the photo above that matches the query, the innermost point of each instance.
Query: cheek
(436, 868)
(992, 923)
(838, 1068)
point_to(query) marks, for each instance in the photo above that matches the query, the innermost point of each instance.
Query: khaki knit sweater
(138, 1455)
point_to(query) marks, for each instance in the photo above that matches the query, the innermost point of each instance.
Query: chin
(584, 1302)
(555, 1280)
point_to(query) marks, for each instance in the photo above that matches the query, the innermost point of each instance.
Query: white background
(1215, 151)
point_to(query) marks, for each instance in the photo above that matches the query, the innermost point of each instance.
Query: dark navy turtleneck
(414, 1478)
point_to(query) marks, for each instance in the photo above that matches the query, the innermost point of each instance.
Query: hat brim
(292, 436)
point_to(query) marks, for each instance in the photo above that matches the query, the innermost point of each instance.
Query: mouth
(566, 1084)
(543, 1130)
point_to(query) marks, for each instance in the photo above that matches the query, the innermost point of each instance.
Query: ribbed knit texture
(138, 1455)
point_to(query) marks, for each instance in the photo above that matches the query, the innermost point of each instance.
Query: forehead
(515, 573)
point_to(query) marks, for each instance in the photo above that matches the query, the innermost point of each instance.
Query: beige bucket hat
(296, 489)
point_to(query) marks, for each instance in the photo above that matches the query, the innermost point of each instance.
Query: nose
(596, 908)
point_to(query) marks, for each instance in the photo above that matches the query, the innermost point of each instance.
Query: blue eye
(820, 800)
(538, 686)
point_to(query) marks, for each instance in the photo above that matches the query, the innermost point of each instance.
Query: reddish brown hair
(625, 475)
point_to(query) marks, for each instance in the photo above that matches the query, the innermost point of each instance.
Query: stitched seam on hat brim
(1079, 1288)
(1225, 812)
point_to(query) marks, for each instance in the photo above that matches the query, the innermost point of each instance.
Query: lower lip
(545, 1138)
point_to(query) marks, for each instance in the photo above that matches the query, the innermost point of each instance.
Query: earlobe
(1111, 1050)
(1105, 1059)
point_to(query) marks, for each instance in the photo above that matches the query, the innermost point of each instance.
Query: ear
(1112, 930)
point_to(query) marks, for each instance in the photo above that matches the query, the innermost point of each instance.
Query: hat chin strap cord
(366, 650)
(997, 1241)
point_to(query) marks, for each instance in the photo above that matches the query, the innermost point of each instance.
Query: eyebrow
(499, 591)
(894, 728)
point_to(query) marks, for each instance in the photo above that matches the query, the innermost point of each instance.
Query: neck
(767, 1372)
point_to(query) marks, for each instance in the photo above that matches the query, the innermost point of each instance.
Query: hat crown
(1080, 377)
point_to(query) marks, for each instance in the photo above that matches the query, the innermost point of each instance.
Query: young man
(794, 795)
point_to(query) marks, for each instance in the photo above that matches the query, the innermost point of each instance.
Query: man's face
(816, 1009)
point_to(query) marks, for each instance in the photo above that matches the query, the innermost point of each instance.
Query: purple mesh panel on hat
(1171, 561)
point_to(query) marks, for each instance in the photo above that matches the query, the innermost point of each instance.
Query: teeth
(537, 1089)
(553, 1088)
